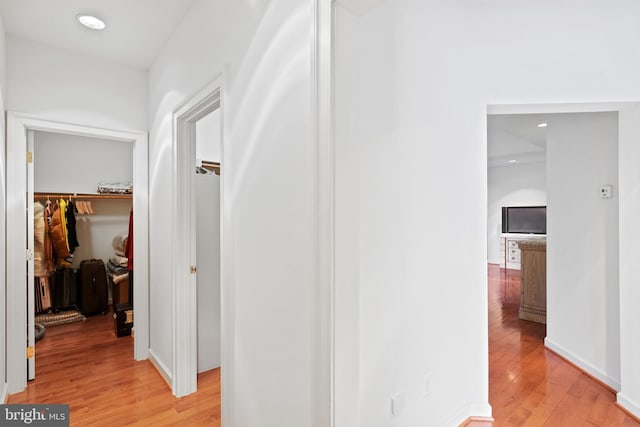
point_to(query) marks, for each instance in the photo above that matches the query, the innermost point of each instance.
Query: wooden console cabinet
(533, 280)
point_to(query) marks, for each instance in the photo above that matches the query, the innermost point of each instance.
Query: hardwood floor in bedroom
(84, 365)
(530, 385)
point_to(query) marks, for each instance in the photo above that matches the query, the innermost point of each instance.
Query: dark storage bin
(123, 319)
(65, 289)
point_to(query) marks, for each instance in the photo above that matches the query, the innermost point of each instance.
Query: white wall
(178, 73)
(3, 59)
(208, 244)
(269, 179)
(629, 197)
(76, 164)
(96, 232)
(347, 226)
(427, 72)
(513, 185)
(582, 244)
(59, 85)
(3, 199)
(208, 147)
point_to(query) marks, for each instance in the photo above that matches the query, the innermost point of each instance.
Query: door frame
(184, 379)
(184, 374)
(17, 126)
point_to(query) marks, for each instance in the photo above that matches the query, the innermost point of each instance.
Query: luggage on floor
(65, 289)
(93, 287)
(122, 319)
(44, 294)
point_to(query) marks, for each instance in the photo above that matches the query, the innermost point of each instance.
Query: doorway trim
(184, 375)
(17, 126)
(323, 320)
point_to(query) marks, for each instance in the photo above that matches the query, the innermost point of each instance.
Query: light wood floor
(86, 366)
(532, 386)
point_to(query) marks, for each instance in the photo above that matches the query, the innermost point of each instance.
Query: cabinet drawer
(514, 257)
(513, 244)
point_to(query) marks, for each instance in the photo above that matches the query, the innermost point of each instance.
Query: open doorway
(574, 173)
(80, 208)
(201, 115)
(19, 126)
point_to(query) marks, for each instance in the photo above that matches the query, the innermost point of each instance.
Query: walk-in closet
(80, 206)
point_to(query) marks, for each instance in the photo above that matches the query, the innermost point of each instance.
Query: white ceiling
(516, 137)
(136, 30)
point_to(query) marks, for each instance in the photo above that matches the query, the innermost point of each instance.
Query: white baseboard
(582, 364)
(160, 367)
(472, 411)
(480, 410)
(4, 393)
(628, 404)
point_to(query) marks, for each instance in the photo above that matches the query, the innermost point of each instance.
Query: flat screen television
(524, 219)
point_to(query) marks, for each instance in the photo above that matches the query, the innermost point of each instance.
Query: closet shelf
(81, 196)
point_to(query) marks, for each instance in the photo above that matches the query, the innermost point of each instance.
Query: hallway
(532, 386)
(84, 365)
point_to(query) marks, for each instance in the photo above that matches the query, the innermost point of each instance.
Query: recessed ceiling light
(542, 125)
(513, 161)
(90, 21)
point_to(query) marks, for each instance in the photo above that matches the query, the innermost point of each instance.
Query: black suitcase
(122, 319)
(93, 287)
(65, 289)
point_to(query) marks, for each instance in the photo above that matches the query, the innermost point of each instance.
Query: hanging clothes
(72, 236)
(43, 264)
(48, 211)
(58, 234)
(62, 205)
(129, 248)
(129, 255)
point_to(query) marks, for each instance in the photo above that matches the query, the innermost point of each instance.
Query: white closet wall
(208, 128)
(76, 164)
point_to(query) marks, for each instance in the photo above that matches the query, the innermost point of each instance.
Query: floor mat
(60, 318)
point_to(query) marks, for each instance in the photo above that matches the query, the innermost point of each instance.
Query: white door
(207, 236)
(31, 342)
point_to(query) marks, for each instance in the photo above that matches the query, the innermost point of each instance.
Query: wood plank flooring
(532, 386)
(86, 366)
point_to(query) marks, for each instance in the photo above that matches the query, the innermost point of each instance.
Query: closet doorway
(18, 158)
(199, 339)
(91, 191)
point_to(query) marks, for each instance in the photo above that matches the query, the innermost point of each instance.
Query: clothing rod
(212, 166)
(81, 196)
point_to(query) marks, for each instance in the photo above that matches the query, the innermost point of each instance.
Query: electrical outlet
(426, 385)
(397, 403)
